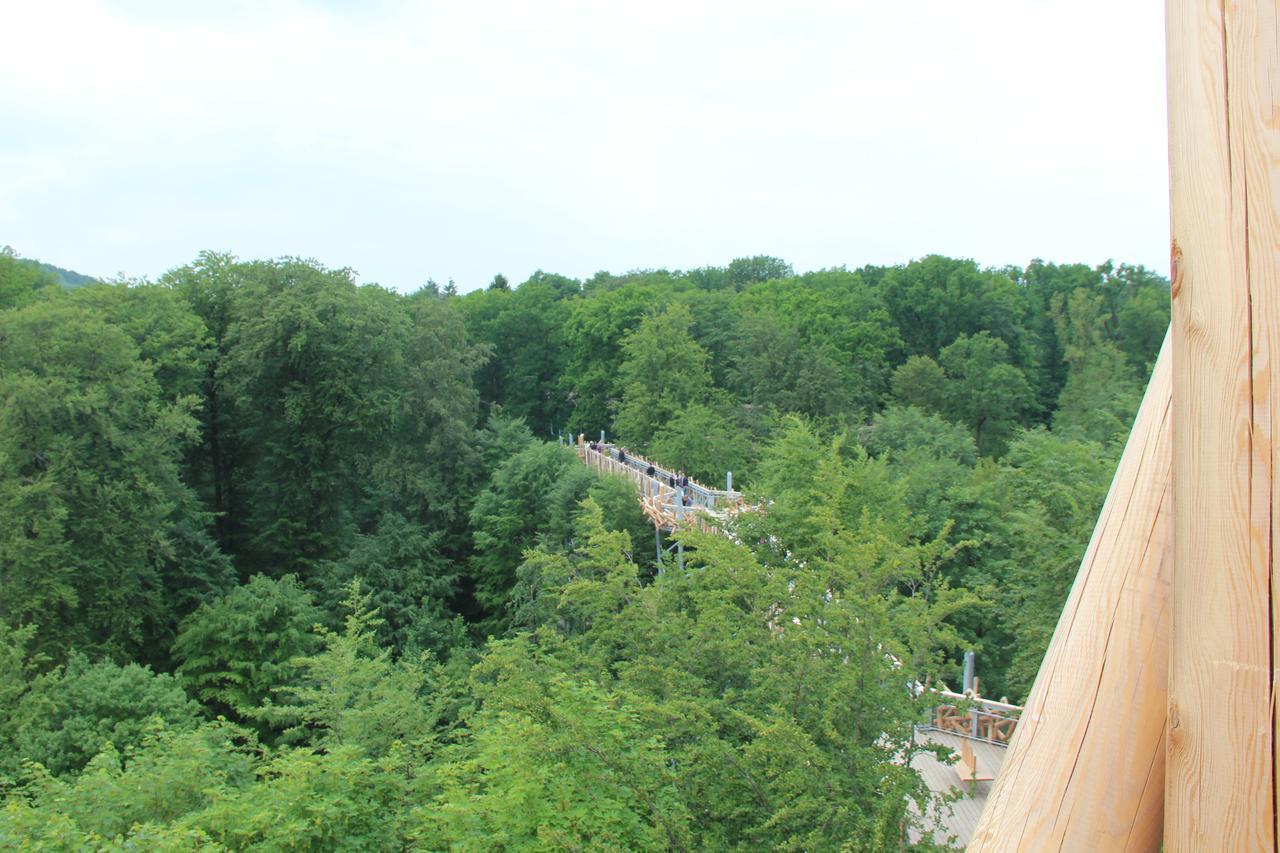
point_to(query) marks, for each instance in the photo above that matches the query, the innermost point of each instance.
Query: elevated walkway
(666, 503)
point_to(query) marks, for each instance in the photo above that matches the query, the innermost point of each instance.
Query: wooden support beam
(1085, 769)
(1224, 149)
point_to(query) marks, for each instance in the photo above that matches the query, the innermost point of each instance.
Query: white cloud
(435, 139)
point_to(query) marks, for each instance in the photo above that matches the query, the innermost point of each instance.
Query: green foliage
(510, 513)
(134, 803)
(1100, 398)
(775, 367)
(329, 403)
(330, 800)
(501, 437)
(1056, 488)
(985, 392)
(208, 789)
(800, 472)
(1132, 312)
(743, 271)
(723, 737)
(89, 481)
(552, 762)
(1101, 394)
(907, 431)
(525, 330)
(169, 335)
(935, 300)
(237, 652)
(586, 584)
(309, 409)
(22, 281)
(196, 572)
(412, 583)
(24, 694)
(973, 384)
(593, 337)
(818, 345)
(1143, 321)
(705, 443)
(665, 371)
(89, 706)
(351, 694)
(616, 497)
(920, 383)
(533, 500)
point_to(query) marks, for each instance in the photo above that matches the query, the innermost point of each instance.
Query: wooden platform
(960, 818)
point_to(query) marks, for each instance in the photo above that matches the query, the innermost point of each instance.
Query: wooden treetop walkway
(666, 503)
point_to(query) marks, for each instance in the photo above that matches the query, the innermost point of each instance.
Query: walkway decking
(959, 819)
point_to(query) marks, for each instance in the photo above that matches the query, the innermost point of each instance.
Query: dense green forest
(292, 562)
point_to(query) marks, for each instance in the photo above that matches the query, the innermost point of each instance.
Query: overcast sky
(446, 140)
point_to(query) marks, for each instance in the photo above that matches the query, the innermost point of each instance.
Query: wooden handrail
(1005, 706)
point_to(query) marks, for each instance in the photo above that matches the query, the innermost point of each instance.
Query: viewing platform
(977, 731)
(958, 819)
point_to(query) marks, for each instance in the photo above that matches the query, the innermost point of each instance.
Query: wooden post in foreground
(1085, 770)
(1224, 145)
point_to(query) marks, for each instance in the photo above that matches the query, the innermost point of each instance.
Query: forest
(293, 562)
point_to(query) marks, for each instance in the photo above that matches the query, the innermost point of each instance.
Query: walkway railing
(974, 717)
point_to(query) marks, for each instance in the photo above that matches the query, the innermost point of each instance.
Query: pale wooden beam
(1224, 143)
(1085, 769)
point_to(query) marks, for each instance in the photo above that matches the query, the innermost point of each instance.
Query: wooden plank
(967, 766)
(1084, 770)
(1223, 144)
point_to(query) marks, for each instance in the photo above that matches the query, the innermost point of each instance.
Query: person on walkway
(650, 471)
(622, 455)
(684, 479)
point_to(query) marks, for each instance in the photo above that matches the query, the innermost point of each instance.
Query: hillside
(70, 279)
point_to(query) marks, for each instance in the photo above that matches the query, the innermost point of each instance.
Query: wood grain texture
(1085, 769)
(1222, 65)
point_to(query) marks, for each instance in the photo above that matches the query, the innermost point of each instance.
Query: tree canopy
(288, 560)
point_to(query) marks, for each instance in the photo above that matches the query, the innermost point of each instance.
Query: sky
(455, 140)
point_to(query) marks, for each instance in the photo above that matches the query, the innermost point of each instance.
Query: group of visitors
(678, 480)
